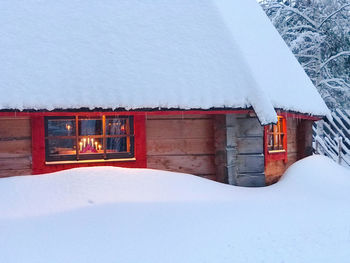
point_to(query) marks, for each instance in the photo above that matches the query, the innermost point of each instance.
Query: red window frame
(276, 154)
(40, 165)
(101, 136)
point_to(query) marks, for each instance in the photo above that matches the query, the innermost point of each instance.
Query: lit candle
(81, 146)
(99, 147)
(92, 142)
(84, 140)
(96, 143)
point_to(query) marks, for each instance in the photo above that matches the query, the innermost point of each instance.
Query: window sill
(92, 161)
(276, 151)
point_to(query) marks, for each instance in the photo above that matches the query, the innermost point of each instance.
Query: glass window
(83, 138)
(57, 147)
(276, 136)
(90, 126)
(61, 127)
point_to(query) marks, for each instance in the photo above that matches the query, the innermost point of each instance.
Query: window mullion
(77, 137)
(128, 133)
(104, 136)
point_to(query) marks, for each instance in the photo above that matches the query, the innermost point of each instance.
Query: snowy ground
(140, 216)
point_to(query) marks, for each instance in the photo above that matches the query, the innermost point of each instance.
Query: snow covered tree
(318, 33)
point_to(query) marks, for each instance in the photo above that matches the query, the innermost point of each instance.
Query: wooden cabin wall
(239, 144)
(299, 139)
(15, 146)
(275, 169)
(182, 143)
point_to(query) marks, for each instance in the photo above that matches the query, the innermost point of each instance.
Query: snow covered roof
(147, 54)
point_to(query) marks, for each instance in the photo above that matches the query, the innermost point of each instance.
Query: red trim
(150, 112)
(299, 116)
(38, 146)
(111, 113)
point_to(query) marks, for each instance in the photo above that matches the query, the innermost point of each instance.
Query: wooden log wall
(15, 146)
(181, 143)
(239, 150)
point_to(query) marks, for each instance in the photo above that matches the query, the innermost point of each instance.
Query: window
(276, 136)
(89, 138)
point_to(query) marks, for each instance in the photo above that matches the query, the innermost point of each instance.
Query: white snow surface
(108, 214)
(136, 54)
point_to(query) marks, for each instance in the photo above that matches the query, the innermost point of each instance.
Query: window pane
(117, 126)
(270, 142)
(90, 127)
(60, 147)
(275, 135)
(281, 141)
(61, 127)
(88, 145)
(118, 144)
(280, 124)
(95, 138)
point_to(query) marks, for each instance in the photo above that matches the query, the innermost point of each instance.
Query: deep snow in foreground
(138, 215)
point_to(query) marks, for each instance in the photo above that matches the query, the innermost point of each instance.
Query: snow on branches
(318, 33)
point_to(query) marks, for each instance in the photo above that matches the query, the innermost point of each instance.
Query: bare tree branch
(306, 56)
(340, 83)
(295, 11)
(343, 53)
(302, 27)
(332, 14)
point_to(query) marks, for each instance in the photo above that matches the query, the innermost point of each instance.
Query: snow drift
(138, 215)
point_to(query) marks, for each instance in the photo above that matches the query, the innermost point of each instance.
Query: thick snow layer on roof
(147, 54)
(124, 215)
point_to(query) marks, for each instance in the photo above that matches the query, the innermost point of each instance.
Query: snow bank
(318, 175)
(83, 187)
(135, 54)
(138, 215)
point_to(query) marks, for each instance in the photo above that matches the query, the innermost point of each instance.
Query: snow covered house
(203, 86)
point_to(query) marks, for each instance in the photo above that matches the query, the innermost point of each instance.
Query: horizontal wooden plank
(250, 145)
(251, 180)
(177, 129)
(17, 172)
(180, 146)
(16, 138)
(249, 127)
(21, 163)
(15, 128)
(14, 155)
(193, 164)
(250, 163)
(179, 116)
(16, 147)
